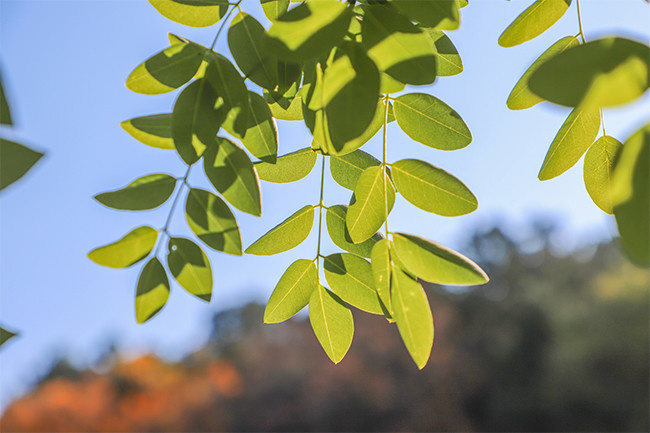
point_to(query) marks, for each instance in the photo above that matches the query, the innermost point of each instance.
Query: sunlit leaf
(601, 73)
(15, 160)
(598, 169)
(287, 235)
(288, 168)
(231, 172)
(533, 21)
(147, 192)
(390, 84)
(132, 248)
(432, 189)
(572, 140)
(438, 13)
(631, 195)
(153, 291)
(190, 267)
(273, 9)
(381, 271)
(285, 109)
(212, 221)
(332, 323)
(154, 130)
(350, 278)
(413, 316)
(339, 233)
(448, 60)
(521, 96)
(193, 13)
(261, 137)
(5, 112)
(398, 46)
(309, 30)
(375, 196)
(167, 70)
(292, 292)
(346, 169)
(428, 120)
(6, 335)
(436, 263)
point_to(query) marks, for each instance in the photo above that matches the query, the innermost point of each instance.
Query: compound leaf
(190, 267)
(332, 323)
(212, 221)
(132, 248)
(147, 192)
(292, 292)
(152, 292)
(287, 235)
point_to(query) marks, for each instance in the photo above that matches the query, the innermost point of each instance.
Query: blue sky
(64, 64)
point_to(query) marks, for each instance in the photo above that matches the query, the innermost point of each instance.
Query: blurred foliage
(554, 342)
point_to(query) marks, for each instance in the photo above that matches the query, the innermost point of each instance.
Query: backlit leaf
(190, 267)
(261, 137)
(438, 13)
(413, 316)
(598, 169)
(146, 192)
(346, 169)
(167, 70)
(436, 263)
(428, 120)
(152, 292)
(15, 160)
(572, 140)
(287, 235)
(381, 271)
(231, 172)
(374, 198)
(285, 109)
(604, 72)
(338, 232)
(350, 278)
(448, 60)
(288, 168)
(332, 323)
(390, 84)
(193, 13)
(132, 248)
(154, 130)
(212, 221)
(432, 189)
(273, 9)
(6, 335)
(292, 292)
(533, 21)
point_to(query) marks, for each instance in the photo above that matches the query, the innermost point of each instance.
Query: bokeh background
(557, 341)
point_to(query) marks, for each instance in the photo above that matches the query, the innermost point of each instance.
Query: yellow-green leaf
(190, 267)
(284, 108)
(332, 323)
(292, 292)
(374, 196)
(152, 292)
(154, 130)
(273, 9)
(431, 13)
(287, 235)
(350, 278)
(347, 168)
(288, 168)
(533, 21)
(261, 137)
(598, 169)
(381, 270)
(132, 248)
(147, 192)
(448, 60)
(193, 13)
(212, 221)
(338, 232)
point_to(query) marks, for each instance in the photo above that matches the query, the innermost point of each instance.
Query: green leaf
(212, 221)
(572, 140)
(436, 263)
(190, 267)
(153, 291)
(332, 323)
(448, 60)
(261, 137)
(346, 169)
(604, 72)
(287, 235)
(521, 96)
(309, 30)
(284, 108)
(135, 246)
(15, 160)
(147, 192)
(439, 13)
(288, 168)
(375, 196)
(292, 292)
(167, 70)
(195, 120)
(381, 272)
(631, 195)
(432, 189)
(193, 13)
(413, 316)
(6, 335)
(534, 21)
(231, 172)
(338, 232)
(230, 86)
(598, 169)
(154, 130)
(350, 278)
(428, 120)
(390, 84)
(273, 9)
(5, 112)
(398, 46)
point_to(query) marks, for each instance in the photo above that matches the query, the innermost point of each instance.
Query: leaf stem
(320, 212)
(383, 162)
(223, 24)
(165, 228)
(582, 33)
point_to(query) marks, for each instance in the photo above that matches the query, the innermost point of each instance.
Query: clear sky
(64, 65)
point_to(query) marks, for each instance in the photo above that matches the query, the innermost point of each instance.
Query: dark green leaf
(332, 323)
(533, 21)
(190, 267)
(154, 130)
(5, 112)
(6, 335)
(375, 196)
(273, 9)
(598, 169)
(346, 169)
(152, 292)
(339, 233)
(212, 221)
(15, 161)
(287, 235)
(292, 292)
(288, 168)
(350, 278)
(146, 192)
(437, 13)
(231, 172)
(285, 109)
(261, 137)
(193, 13)
(135, 246)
